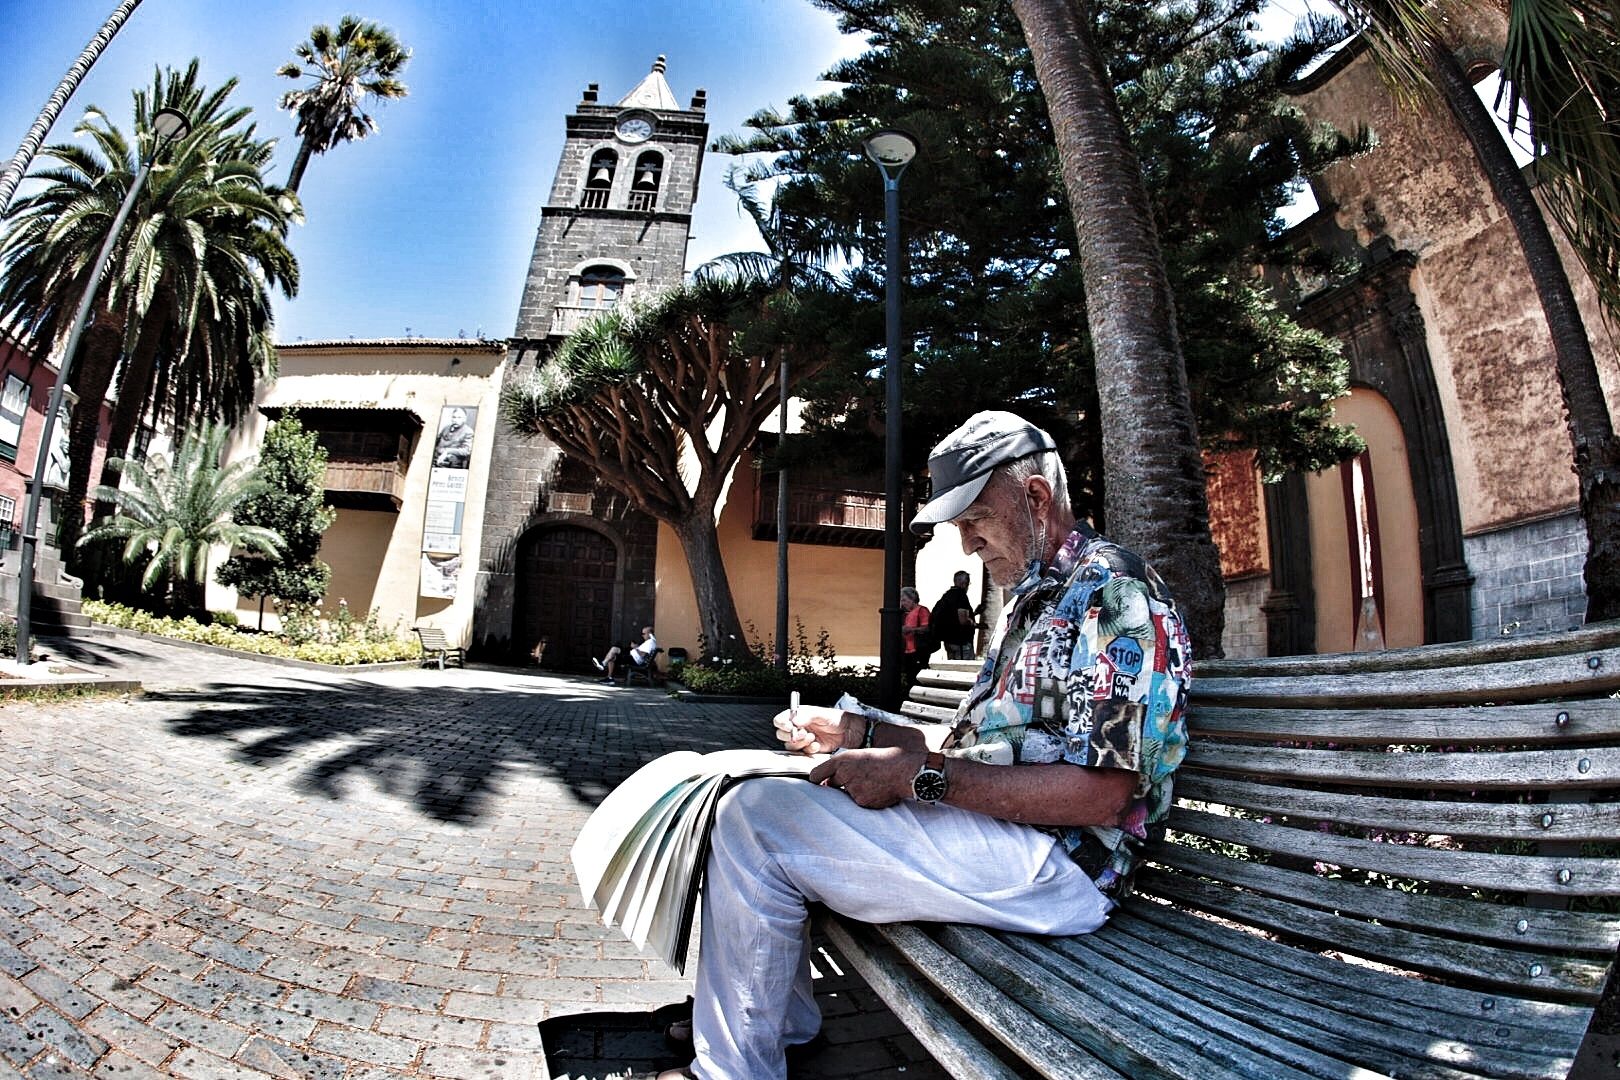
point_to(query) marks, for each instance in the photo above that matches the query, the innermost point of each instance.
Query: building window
(599, 180)
(600, 287)
(13, 407)
(648, 176)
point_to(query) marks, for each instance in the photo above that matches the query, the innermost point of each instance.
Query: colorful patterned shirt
(1090, 665)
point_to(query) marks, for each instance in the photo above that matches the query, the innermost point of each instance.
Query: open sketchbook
(640, 856)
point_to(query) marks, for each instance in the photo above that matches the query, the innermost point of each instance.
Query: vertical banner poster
(13, 407)
(447, 501)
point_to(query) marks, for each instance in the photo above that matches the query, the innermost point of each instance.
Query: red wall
(14, 476)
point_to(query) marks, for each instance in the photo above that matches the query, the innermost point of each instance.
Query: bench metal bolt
(1562, 719)
(1594, 662)
(1546, 821)
(1488, 1004)
(1584, 765)
(1522, 926)
(1564, 876)
(1535, 971)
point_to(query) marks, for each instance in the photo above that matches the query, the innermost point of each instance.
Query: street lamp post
(166, 126)
(892, 150)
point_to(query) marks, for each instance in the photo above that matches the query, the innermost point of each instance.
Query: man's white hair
(1046, 464)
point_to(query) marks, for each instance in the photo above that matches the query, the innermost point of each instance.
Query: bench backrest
(1448, 811)
(432, 638)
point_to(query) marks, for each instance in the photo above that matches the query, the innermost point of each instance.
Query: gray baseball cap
(961, 464)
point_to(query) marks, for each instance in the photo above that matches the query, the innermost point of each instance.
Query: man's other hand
(813, 729)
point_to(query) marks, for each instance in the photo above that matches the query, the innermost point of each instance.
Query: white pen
(793, 711)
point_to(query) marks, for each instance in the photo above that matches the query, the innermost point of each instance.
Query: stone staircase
(58, 596)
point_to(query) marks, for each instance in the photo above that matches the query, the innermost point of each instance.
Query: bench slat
(1491, 821)
(933, 714)
(1132, 1017)
(1286, 974)
(1557, 875)
(1474, 725)
(1322, 1023)
(939, 1032)
(1558, 767)
(1363, 986)
(1523, 927)
(1449, 654)
(1585, 674)
(1554, 975)
(1319, 1055)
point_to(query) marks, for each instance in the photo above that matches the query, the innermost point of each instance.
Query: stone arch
(569, 585)
(1377, 317)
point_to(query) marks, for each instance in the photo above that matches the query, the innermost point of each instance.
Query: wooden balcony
(366, 485)
(845, 517)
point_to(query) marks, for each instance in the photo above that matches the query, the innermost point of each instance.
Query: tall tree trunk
(1586, 412)
(134, 393)
(717, 610)
(98, 358)
(58, 101)
(300, 163)
(1153, 474)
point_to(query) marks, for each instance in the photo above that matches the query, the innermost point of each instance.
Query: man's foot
(598, 664)
(610, 681)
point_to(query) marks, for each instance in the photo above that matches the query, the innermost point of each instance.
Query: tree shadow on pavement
(446, 749)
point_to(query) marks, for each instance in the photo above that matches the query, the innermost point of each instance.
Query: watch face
(928, 785)
(635, 128)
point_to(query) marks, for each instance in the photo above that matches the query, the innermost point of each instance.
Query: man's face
(960, 581)
(996, 528)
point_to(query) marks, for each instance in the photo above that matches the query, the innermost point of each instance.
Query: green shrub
(224, 618)
(357, 650)
(813, 671)
(8, 636)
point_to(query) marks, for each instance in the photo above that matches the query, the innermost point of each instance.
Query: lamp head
(892, 150)
(170, 124)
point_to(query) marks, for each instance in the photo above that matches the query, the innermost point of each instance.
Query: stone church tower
(562, 557)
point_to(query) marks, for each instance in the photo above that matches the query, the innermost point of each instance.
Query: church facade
(563, 557)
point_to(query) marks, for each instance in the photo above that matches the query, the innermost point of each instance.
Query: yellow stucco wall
(836, 588)
(1375, 421)
(376, 555)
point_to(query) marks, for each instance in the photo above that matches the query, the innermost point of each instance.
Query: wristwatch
(929, 784)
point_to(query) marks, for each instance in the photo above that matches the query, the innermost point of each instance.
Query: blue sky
(429, 223)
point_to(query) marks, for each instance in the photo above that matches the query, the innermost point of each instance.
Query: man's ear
(1039, 492)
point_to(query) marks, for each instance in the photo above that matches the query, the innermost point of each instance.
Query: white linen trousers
(779, 842)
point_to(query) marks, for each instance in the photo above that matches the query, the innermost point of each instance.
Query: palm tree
(1153, 472)
(345, 67)
(190, 277)
(171, 514)
(1565, 69)
(58, 101)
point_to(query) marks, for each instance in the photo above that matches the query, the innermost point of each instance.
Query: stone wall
(1529, 578)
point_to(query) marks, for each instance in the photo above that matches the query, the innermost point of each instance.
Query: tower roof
(652, 92)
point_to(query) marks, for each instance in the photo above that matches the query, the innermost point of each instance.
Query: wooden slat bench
(1396, 864)
(437, 647)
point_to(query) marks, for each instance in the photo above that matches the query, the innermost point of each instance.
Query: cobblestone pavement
(261, 871)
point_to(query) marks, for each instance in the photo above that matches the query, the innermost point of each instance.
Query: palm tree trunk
(58, 101)
(1586, 411)
(134, 393)
(1153, 473)
(98, 358)
(717, 610)
(300, 163)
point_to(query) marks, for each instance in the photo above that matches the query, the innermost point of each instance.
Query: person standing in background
(953, 621)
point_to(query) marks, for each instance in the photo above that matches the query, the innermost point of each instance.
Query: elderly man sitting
(1025, 813)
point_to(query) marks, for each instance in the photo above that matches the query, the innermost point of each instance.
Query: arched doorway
(565, 583)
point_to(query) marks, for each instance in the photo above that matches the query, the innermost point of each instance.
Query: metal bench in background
(1402, 863)
(437, 647)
